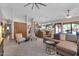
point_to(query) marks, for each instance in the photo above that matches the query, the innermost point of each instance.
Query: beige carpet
(34, 48)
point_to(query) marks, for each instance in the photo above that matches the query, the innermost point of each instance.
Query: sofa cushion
(62, 36)
(72, 38)
(68, 47)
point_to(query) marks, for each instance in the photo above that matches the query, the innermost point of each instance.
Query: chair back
(18, 36)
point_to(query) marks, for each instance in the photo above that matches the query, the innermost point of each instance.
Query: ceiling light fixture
(68, 14)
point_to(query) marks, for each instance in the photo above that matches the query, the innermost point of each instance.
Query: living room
(38, 30)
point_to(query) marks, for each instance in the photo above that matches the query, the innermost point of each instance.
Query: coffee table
(50, 47)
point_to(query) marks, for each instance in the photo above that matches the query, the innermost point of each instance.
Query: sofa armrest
(56, 41)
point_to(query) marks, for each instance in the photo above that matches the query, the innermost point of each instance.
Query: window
(67, 28)
(75, 28)
(71, 28)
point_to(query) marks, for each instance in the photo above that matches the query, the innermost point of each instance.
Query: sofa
(57, 36)
(67, 47)
(46, 38)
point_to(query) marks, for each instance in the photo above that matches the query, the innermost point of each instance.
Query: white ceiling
(51, 12)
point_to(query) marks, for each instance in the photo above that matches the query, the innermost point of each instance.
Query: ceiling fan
(35, 4)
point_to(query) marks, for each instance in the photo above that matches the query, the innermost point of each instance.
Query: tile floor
(34, 48)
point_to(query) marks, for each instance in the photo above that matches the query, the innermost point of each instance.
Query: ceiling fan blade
(32, 5)
(27, 4)
(37, 5)
(42, 4)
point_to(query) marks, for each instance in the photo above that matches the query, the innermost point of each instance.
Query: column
(61, 27)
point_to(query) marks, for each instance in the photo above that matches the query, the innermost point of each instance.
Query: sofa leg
(57, 52)
(36, 38)
(18, 42)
